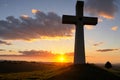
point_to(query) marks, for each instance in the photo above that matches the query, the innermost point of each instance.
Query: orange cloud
(38, 55)
(42, 53)
(34, 11)
(25, 16)
(89, 27)
(105, 15)
(114, 28)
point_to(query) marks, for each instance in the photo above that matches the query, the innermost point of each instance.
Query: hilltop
(85, 72)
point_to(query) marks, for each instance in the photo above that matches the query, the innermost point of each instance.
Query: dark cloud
(42, 53)
(38, 55)
(98, 44)
(36, 52)
(106, 50)
(4, 42)
(104, 8)
(40, 26)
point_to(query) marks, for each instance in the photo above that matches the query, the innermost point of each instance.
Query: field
(21, 70)
(115, 68)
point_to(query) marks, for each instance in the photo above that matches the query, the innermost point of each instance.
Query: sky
(32, 30)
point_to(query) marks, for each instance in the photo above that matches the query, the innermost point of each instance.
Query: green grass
(35, 75)
(41, 75)
(85, 72)
(54, 71)
(114, 71)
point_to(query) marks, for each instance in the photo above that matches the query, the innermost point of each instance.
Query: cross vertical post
(79, 20)
(79, 49)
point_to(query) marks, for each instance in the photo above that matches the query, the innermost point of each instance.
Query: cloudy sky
(32, 30)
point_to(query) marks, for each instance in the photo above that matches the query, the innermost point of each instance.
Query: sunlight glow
(61, 58)
(56, 37)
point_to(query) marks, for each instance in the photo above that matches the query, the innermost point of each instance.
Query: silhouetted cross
(79, 20)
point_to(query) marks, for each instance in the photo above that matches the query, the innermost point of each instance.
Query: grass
(115, 71)
(44, 72)
(55, 71)
(40, 75)
(85, 72)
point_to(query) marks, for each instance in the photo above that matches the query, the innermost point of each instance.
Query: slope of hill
(20, 70)
(21, 66)
(85, 72)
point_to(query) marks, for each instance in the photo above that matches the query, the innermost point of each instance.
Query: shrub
(108, 65)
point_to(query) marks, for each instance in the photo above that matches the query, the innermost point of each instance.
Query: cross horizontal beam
(90, 20)
(69, 19)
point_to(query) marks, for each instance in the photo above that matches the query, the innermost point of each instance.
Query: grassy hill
(22, 66)
(85, 72)
(20, 70)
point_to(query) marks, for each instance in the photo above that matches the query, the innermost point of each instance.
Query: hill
(21, 70)
(85, 72)
(22, 66)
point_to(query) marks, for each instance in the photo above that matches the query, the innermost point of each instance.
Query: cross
(79, 20)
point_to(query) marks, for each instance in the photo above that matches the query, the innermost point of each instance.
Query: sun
(61, 58)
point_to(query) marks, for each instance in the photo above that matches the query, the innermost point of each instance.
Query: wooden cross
(79, 20)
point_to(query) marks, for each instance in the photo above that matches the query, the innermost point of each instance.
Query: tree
(108, 65)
